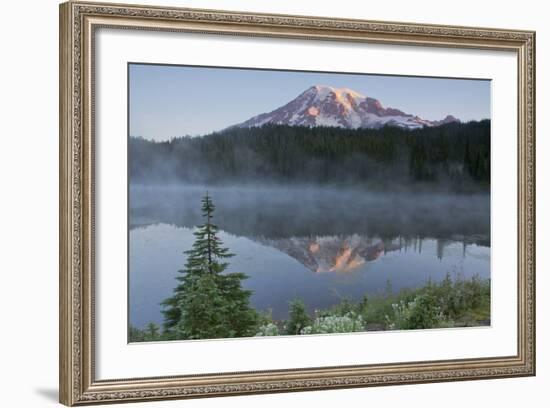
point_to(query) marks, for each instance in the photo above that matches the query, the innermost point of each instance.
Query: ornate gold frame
(78, 22)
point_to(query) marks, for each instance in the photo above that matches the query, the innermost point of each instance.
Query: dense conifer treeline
(456, 155)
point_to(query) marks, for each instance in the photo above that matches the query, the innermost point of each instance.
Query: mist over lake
(317, 243)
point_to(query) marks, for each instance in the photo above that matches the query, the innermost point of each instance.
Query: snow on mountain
(322, 105)
(332, 253)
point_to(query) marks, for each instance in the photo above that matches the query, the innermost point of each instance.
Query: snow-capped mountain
(322, 105)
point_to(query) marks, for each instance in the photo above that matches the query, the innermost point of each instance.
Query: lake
(319, 244)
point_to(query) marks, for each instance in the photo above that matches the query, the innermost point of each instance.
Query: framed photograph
(256, 203)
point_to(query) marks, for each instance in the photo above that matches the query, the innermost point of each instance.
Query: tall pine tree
(208, 303)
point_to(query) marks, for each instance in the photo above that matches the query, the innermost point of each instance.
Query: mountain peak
(324, 105)
(325, 90)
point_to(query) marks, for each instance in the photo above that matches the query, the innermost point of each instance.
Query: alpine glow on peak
(323, 105)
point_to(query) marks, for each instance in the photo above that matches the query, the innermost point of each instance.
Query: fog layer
(279, 212)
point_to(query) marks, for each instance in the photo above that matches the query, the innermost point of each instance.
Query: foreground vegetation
(449, 303)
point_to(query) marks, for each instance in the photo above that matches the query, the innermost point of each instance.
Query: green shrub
(421, 313)
(269, 329)
(343, 308)
(348, 323)
(462, 300)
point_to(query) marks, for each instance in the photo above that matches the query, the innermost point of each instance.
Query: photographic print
(281, 203)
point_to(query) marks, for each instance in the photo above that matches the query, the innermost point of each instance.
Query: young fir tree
(207, 303)
(298, 317)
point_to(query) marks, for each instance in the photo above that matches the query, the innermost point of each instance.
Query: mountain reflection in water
(331, 253)
(319, 245)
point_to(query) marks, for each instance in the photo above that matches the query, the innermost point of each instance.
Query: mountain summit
(322, 105)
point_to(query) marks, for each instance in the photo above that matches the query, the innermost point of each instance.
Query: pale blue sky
(171, 101)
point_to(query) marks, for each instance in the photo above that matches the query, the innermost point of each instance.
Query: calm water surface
(320, 245)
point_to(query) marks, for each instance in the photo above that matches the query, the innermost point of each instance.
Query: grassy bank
(449, 303)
